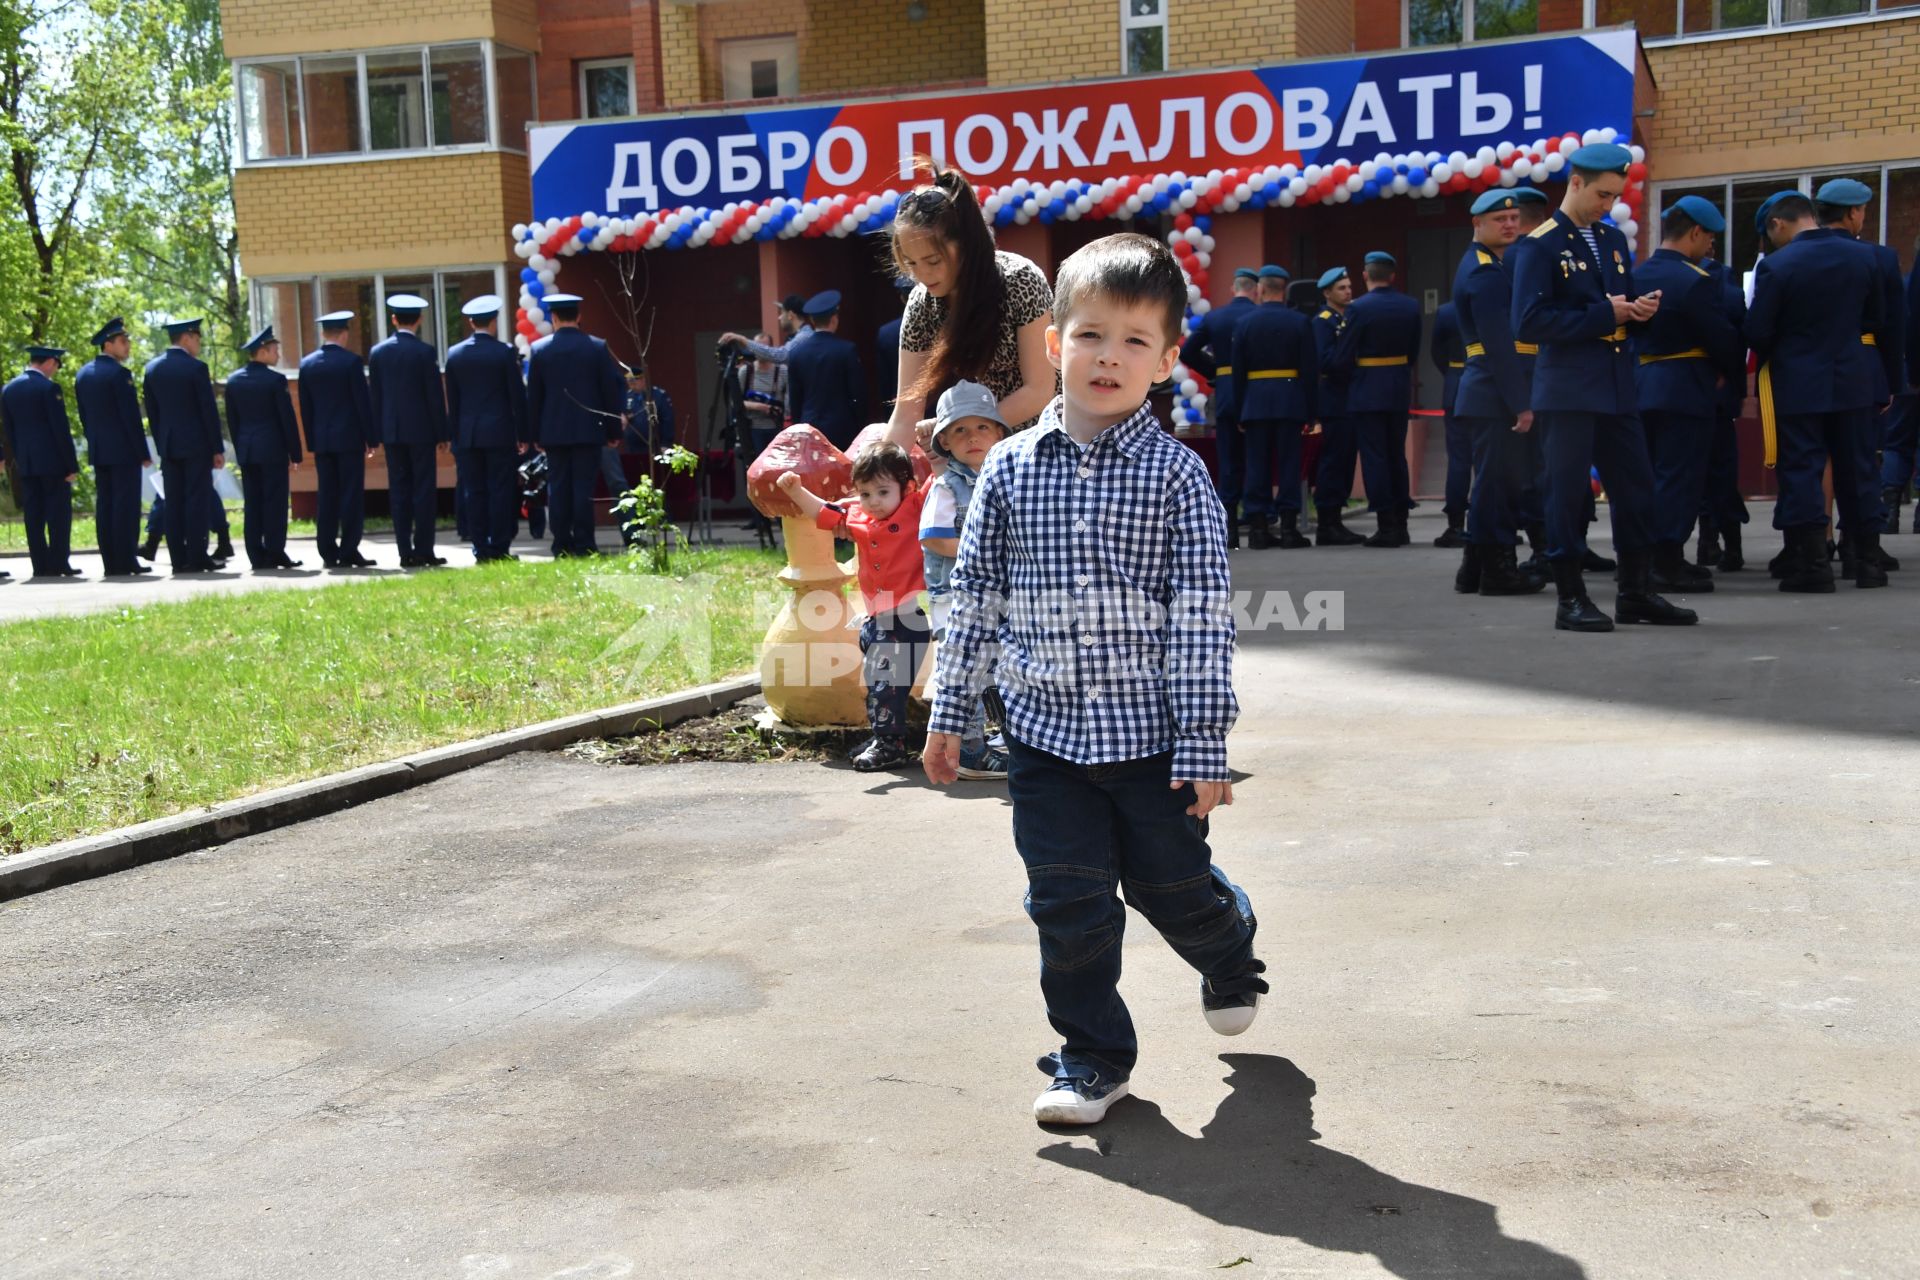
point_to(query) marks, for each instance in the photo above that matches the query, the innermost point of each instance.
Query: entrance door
(1433, 253)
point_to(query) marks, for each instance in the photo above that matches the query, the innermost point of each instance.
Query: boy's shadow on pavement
(1256, 1165)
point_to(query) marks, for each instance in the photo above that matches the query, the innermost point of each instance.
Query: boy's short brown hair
(1126, 268)
(883, 459)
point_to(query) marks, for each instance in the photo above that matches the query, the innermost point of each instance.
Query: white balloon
(1083, 204)
(1638, 152)
(1430, 188)
(1486, 156)
(1555, 162)
(1630, 229)
(1242, 193)
(1193, 293)
(1201, 307)
(1400, 184)
(1473, 168)
(1206, 243)
(1609, 134)
(1188, 198)
(1523, 168)
(1191, 235)
(1200, 402)
(1457, 159)
(1507, 178)
(1504, 151)
(1353, 184)
(519, 231)
(1367, 169)
(1286, 197)
(1190, 388)
(1441, 172)
(1341, 195)
(1161, 182)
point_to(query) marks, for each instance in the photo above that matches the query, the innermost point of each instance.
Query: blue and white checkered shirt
(1092, 588)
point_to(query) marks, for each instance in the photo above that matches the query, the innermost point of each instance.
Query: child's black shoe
(881, 753)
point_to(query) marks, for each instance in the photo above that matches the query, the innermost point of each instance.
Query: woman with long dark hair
(975, 312)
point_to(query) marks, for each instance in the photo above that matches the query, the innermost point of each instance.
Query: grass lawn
(114, 718)
(13, 531)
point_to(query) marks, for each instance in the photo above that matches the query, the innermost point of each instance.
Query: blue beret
(822, 304)
(260, 340)
(1846, 192)
(1272, 272)
(1378, 256)
(109, 331)
(1602, 157)
(1245, 273)
(1495, 200)
(180, 328)
(1330, 275)
(45, 353)
(1702, 211)
(1528, 195)
(1766, 207)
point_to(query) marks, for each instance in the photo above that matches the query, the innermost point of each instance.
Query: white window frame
(602, 64)
(313, 283)
(1656, 200)
(787, 51)
(489, 50)
(1128, 22)
(1466, 24)
(1774, 25)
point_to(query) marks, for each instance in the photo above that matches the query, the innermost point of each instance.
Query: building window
(1143, 36)
(763, 68)
(1671, 19)
(414, 99)
(292, 306)
(1893, 217)
(606, 88)
(1457, 21)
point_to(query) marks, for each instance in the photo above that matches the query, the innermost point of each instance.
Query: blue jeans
(1086, 833)
(894, 645)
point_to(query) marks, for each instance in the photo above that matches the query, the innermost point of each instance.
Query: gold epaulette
(1543, 229)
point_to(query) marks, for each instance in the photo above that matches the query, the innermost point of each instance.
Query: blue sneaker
(984, 765)
(1075, 1101)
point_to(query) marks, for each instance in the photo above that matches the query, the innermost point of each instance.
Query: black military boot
(1501, 574)
(1455, 536)
(1878, 554)
(1536, 564)
(1333, 532)
(1233, 527)
(1866, 570)
(1637, 601)
(1291, 539)
(1401, 538)
(1575, 612)
(225, 550)
(1670, 570)
(1594, 562)
(1731, 561)
(1892, 497)
(1384, 534)
(1706, 549)
(151, 547)
(1466, 579)
(1806, 568)
(1778, 567)
(1259, 534)
(1845, 550)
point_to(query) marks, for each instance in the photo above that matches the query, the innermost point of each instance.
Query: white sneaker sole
(980, 775)
(1234, 1020)
(1064, 1106)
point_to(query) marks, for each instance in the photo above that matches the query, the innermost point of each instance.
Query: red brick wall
(1561, 15)
(573, 30)
(1376, 24)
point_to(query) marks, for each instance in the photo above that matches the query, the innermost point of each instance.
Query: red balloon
(1182, 221)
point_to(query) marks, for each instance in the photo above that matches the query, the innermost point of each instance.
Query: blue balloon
(1258, 200)
(1416, 176)
(535, 288)
(1160, 202)
(528, 275)
(1203, 222)
(1271, 191)
(1368, 190)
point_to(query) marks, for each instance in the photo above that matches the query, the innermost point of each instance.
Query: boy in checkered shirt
(1092, 586)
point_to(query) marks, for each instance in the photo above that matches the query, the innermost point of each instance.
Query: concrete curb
(74, 860)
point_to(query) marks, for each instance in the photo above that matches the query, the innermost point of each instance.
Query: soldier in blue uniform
(1686, 353)
(887, 350)
(116, 446)
(1276, 377)
(650, 424)
(1841, 206)
(410, 408)
(178, 393)
(1573, 295)
(487, 411)
(341, 435)
(1903, 419)
(1333, 485)
(44, 462)
(1376, 354)
(1814, 295)
(825, 384)
(266, 443)
(1724, 510)
(575, 402)
(1494, 401)
(1208, 351)
(1449, 355)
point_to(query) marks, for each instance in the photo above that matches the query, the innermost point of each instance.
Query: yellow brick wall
(428, 211)
(680, 55)
(1216, 33)
(254, 27)
(1787, 101)
(1029, 43)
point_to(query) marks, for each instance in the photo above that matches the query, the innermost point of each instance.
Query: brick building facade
(411, 131)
